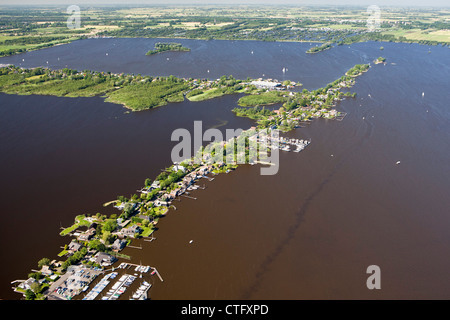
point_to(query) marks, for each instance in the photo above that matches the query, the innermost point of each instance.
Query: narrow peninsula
(96, 240)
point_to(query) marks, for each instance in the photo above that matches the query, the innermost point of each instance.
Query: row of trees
(253, 113)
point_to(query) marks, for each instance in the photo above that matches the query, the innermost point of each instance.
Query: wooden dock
(134, 247)
(341, 116)
(189, 197)
(157, 273)
(264, 162)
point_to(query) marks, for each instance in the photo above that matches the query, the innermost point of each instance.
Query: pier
(154, 270)
(264, 162)
(157, 273)
(285, 143)
(341, 116)
(134, 247)
(189, 197)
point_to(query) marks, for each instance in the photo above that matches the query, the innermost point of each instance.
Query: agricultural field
(31, 28)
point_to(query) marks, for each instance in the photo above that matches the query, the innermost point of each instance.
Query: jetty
(155, 271)
(189, 197)
(134, 247)
(340, 116)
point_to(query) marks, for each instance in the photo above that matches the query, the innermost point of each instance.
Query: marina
(141, 292)
(107, 289)
(119, 287)
(285, 144)
(99, 287)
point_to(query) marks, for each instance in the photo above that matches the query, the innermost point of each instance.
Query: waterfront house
(27, 284)
(166, 197)
(178, 168)
(74, 246)
(159, 203)
(104, 259)
(188, 180)
(118, 245)
(266, 84)
(203, 170)
(155, 185)
(145, 217)
(46, 271)
(131, 231)
(120, 206)
(87, 235)
(174, 193)
(145, 190)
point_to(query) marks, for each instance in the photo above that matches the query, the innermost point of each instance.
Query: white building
(266, 84)
(178, 168)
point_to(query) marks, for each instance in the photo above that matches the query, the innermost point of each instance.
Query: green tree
(35, 287)
(35, 275)
(29, 295)
(43, 262)
(96, 245)
(110, 225)
(106, 237)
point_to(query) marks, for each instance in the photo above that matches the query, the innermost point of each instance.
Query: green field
(208, 94)
(417, 34)
(262, 99)
(30, 28)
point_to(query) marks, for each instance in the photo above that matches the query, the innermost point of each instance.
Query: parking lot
(73, 282)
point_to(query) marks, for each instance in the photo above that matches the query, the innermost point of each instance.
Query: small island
(357, 70)
(379, 60)
(167, 46)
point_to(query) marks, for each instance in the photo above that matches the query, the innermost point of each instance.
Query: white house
(178, 168)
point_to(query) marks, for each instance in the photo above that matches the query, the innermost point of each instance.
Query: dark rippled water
(308, 232)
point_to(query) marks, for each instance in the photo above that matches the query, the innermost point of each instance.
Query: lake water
(308, 232)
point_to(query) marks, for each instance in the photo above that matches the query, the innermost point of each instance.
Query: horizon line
(121, 4)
